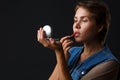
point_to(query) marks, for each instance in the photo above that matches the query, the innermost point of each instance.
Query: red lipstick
(72, 36)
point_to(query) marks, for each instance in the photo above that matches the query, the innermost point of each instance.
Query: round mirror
(47, 30)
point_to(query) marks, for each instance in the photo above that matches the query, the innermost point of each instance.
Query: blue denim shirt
(80, 70)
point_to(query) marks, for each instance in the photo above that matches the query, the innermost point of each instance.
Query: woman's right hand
(66, 45)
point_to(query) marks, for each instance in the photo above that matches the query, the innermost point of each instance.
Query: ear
(100, 28)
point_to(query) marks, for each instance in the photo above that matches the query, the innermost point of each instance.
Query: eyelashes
(83, 20)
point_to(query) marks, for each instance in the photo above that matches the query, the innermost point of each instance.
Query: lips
(77, 34)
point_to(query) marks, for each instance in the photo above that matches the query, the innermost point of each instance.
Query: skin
(86, 32)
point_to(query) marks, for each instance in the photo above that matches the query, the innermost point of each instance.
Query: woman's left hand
(48, 42)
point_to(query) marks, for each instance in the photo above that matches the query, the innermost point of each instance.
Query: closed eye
(85, 20)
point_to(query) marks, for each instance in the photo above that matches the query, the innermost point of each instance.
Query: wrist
(59, 51)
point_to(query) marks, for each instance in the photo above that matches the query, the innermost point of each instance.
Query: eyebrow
(83, 17)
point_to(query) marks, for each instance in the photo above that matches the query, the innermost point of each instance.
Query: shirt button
(82, 72)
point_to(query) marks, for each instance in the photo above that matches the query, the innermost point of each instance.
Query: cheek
(88, 32)
(85, 29)
(88, 27)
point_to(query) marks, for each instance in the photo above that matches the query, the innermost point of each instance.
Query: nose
(77, 25)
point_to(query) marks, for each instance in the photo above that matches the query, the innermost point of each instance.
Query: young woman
(91, 61)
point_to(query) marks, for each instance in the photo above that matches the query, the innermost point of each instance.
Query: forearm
(63, 69)
(55, 73)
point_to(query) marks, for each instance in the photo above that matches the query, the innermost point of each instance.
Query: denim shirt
(82, 68)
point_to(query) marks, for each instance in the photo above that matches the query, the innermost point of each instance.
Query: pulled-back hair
(100, 12)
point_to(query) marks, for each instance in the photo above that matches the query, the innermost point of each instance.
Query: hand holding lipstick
(66, 45)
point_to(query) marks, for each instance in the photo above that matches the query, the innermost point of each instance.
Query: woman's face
(84, 26)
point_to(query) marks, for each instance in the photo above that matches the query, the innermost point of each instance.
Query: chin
(78, 40)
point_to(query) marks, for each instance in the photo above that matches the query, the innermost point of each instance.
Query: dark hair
(101, 14)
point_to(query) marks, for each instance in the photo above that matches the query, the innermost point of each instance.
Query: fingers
(47, 42)
(41, 34)
(66, 47)
(64, 38)
(52, 41)
(66, 53)
(38, 34)
(66, 43)
(66, 50)
(41, 37)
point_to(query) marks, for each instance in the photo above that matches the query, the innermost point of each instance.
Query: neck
(92, 47)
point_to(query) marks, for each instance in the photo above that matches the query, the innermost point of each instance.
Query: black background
(22, 19)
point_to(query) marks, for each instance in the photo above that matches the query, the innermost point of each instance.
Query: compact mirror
(48, 30)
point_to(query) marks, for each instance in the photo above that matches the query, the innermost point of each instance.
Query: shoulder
(104, 71)
(107, 52)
